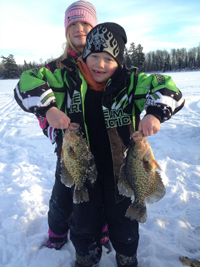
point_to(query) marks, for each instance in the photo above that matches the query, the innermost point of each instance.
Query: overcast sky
(34, 30)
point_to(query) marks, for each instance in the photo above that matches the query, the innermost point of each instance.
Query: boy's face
(101, 66)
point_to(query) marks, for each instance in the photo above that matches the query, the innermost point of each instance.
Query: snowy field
(27, 166)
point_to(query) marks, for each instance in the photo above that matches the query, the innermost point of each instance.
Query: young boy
(106, 99)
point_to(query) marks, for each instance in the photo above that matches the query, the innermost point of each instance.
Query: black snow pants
(86, 223)
(60, 204)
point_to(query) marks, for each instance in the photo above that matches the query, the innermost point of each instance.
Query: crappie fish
(189, 262)
(77, 163)
(138, 177)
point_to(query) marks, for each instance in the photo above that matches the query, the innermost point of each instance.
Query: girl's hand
(149, 125)
(57, 119)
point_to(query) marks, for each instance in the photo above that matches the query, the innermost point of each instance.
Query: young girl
(80, 18)
(106, 100)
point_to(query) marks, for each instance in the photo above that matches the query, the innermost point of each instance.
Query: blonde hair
(68, 46)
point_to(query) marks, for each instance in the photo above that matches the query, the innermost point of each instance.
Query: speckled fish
(77, 163)
(139, 178)
(189, 262)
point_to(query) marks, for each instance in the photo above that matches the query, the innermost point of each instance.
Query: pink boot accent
(105, 229)
(104, 240)
(51, 234)
(56, 241)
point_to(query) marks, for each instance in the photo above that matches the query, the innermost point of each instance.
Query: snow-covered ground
(27, 166)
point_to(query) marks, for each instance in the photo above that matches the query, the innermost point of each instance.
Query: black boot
(80, 265)
(124, 261)
(56, 242)
(88, 261)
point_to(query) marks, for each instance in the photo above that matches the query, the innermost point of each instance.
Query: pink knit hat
(80, 11)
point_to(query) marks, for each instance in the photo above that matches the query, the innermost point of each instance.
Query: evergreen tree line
(153, 61)
(162, 60)
(10, 70)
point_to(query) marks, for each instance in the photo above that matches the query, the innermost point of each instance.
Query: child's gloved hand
(149, 125)
(57, 119)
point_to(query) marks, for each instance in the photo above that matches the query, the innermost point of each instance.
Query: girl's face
(101, 66)
(77, 34)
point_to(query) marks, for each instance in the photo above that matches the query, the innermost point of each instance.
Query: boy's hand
(57, 119)
(149, 125)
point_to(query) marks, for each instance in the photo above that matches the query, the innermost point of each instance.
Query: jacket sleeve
(34, 91)
(49, 131)
(159, 96)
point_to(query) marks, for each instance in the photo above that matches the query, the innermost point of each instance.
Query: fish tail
(80, 195)
(137, 212)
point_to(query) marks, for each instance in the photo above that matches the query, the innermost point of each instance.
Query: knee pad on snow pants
(124, 261)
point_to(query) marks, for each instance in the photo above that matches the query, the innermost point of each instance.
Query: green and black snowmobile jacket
(124, 98)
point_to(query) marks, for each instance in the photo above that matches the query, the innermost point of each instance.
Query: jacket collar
(118, 79)
(69, 63)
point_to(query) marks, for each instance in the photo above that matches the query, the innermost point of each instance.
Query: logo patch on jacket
(116, 117)
(75, 105)
(160, 78)
(118, 114)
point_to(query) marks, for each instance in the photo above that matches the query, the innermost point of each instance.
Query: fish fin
(157, 165)
(66, 177)
(80, 195)
(91, 176)
(92, 171)
(157, 190)
(123, 185)
(137, 212)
